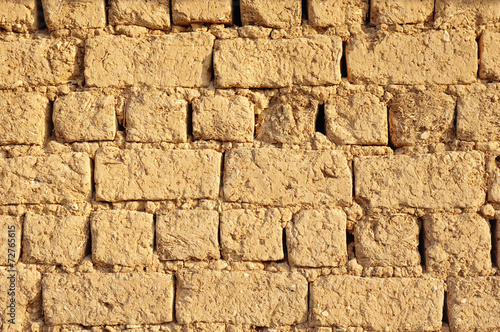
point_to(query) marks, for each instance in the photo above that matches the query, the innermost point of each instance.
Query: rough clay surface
(489, 46)
(478, 117)
(465, 13)
(68, 14)
(274, 14)
(12, 227)
(324, 13)
(193, 11)
(401, 11)
(153, 14)
(18, 15)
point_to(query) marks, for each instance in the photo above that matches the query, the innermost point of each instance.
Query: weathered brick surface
(84, 116)
(360, 118)
(18, 15)
(71, 14)
(387, 240)
(445, 180)
(323, 13)
(10, 239)
(264, 63)
(421, 118)
(317, 238)
(265, 298)
(489, 49)
(431, 57)
(251, 235)
(224, 119)
(154, 116)
(474, 303)
(477, 117)
(465, 13)
(52, 179)
(153, 14)
(141, 175)
(457, 244)
(187, 234)
(161, 61)
(401, 11)
(192, 11)
(56, 240)
(343, 301)
(283, 177)
(116, 298)
(24, 118)
(275, 14)
(122, 238)
(49, 61)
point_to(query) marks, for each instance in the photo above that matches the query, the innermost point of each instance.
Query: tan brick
(421, 118)
(10, 239)
(264, 298)
(324, 13)
(85, 116)
(377, 304)
(24, 118)
(489, 50)
(187, 234)
(153, 14)
(116, 298)
(251, 235)
(266, 63)
(477, 117)
(360, 118)
(224, 119)
(283, 177)
(52, 179)
(401, 11)
(122, 237)
(50, 62)
(493, 166)
(465, 13)
(430, 57)
(193, 11)
(289, 119)
(457, 244)
(317, 238)
(474, 303)
(156, 117)
(387, 240)
(56, 240)
(442, 180)
(19, 15)
(71, 14)
(274, 14)
(182, 59)
(156, 174)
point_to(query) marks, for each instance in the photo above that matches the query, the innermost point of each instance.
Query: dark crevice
(494, 240)
(176, 286)
(154, 232)
(88, 248)
(121, 126)
(421, 243)
(367, 18)
(41, 18)
(343, 60)
(221, 184)
(389, 138)
(106, 11)
(255, 126)
(219, 238)
(49, 131)
(445, 309)
(353, 180)
(189, 120)
(455, 120)
(478, 56)
(285, 249)
(351, 248)
(305, 13)
(320, 120)
(497, 161)
(236, 13)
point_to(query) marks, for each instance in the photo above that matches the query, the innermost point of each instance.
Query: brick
(477, 117)
(187, 234)
(442, 180)
(266, 63)
(84, 116)
(387, 240)
(284, 177)
(150, 14)
(489, 50)
(360, 118)
(116, 298)
(289, 119)
(264, 298)
(202, 11)
(251, 235)
(156, 175)
(55, 240)
(24, 118)
(174, 60)
(324, 13)
(401, 11)
(10, 239)
(274, 14)
(74, 14)
(430, 57)
(43, 180)
(50, 62)
(377, 304)
(317, 238)
(465, 13)
(156, 117)
(421, 118)
(18, 15)
(457, 244)
(229, 119)
(474, 303)
(122, 237)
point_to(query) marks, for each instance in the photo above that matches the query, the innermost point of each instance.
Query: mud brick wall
(249, 165)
